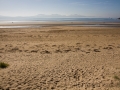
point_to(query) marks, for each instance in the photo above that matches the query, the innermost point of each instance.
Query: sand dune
(60, 58)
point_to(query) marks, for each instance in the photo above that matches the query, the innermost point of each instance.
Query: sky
(94, 8)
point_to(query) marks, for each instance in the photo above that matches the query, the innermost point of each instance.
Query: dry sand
(60, 58)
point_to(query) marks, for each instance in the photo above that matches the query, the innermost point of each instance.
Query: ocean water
(35, 22)
(63, 19)
(80, 19)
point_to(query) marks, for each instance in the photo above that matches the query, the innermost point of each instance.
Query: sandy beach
(60, 57)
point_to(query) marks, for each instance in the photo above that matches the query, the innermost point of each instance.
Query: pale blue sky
(97, 8)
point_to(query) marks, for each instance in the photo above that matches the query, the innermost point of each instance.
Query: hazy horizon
(51, 15)
(55, 16)
(77, 8)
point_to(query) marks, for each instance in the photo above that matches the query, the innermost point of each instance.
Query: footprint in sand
(45, 52)
(96, 50)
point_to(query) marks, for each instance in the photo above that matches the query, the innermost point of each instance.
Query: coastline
(35, 24)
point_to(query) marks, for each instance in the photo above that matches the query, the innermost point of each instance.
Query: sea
(36, 22)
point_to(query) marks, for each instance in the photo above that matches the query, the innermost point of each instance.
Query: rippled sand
(60, 58)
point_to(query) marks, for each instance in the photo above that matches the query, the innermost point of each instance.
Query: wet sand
(60, 58)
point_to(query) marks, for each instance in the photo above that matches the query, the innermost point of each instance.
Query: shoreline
(48, 24)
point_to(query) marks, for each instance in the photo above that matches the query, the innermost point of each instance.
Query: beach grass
(117, 78)
(3, 65)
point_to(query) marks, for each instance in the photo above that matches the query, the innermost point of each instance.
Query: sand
(60, 58)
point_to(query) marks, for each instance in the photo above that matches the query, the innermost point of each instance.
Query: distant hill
(59, 16)
(50, 16)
